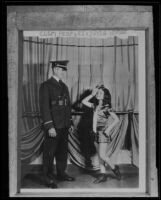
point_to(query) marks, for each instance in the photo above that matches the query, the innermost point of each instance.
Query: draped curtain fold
(112, 62)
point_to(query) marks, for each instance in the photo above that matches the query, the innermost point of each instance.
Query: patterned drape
(112, 62)
(35, 69)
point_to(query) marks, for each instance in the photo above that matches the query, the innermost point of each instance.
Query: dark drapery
(112, 62)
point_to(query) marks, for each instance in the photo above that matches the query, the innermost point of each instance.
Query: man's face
(59, 72)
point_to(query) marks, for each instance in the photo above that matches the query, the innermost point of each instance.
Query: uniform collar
(55, 82)
(56, 78)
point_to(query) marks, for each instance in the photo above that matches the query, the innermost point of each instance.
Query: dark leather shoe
(50, 182)
(101, 178)
(65, 177)
(116, 171)
(51, 185)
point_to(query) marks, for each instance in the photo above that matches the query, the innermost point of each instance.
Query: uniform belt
(62, 102)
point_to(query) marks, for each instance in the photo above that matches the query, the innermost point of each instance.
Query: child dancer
(101, 130)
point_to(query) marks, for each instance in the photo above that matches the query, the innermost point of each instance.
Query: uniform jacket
(55, 106)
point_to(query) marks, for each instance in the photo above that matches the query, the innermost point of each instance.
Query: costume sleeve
(45, 106)
(107, 110)
(110, 110)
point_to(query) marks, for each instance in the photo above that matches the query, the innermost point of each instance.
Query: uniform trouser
(55, 147)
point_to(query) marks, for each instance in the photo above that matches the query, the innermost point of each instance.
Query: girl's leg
(101, 162)
(102, 166)
(103, 156)
(102, 177)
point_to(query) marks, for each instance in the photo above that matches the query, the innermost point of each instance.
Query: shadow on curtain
(112, 62)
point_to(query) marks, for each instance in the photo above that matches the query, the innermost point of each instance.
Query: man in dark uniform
(56, 115)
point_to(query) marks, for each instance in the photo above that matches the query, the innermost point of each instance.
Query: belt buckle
(60, 102)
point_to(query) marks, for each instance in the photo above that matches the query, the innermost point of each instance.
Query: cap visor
(64, 68)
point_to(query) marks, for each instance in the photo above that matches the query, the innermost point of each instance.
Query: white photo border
(142, 124)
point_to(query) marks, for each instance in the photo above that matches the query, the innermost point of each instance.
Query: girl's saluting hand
(94, 91)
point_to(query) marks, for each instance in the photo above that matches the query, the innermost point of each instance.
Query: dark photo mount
(156, 25)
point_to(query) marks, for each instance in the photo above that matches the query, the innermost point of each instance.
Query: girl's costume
(100, 123)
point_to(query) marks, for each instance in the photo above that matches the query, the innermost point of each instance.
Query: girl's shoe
(116, 171)
(101, 178)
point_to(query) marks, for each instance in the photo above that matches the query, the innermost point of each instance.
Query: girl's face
(100, 94)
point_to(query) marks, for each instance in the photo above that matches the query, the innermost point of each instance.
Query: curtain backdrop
(112, 62)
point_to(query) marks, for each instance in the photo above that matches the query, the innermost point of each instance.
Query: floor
(32, 177)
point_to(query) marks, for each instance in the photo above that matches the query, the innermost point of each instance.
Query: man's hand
(71, 129)
(52, 132)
